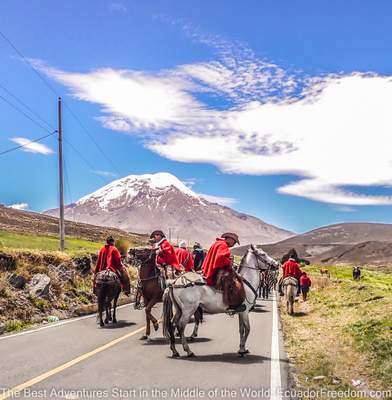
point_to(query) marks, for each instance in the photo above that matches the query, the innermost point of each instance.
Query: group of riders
(216, 266)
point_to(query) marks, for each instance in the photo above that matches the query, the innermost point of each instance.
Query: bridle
(141, 264)
(259, 261)
(257, 268)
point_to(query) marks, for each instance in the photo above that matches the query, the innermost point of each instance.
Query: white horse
(290, 286)
(187, 300)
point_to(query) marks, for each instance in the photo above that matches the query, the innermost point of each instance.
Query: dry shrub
(320, 282)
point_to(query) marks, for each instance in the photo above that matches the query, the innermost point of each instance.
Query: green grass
(16, 326)
(45, 243)
(347, 324)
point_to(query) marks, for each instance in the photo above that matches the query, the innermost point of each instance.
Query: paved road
(113, 363)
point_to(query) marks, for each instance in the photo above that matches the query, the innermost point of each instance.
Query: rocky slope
(12, 220)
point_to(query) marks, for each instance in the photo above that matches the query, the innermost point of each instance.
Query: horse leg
(154, 321)
(115, 305)
(148, 306)
(181, 328)
(244, 324)
(198, 319)
(101, 297)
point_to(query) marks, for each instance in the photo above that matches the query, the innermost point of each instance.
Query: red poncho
(305, 281)
(291, 268)
(185, 259)
(218, 257)
(108, 257)
(167, 255)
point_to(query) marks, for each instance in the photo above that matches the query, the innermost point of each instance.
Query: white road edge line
(276, 381)
(54, 325)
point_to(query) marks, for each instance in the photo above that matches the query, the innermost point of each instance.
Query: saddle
(232, 286)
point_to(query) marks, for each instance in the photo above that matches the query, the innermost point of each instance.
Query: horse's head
(264, 261)
(141, 255)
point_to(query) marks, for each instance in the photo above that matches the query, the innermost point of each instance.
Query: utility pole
(61, 180)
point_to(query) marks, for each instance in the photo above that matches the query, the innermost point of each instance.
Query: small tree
(122, 246)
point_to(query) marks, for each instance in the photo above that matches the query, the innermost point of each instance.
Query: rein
(258, 268)
(247, 283)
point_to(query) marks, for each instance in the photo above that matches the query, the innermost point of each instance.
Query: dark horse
(152, 288)
(108, 289)
(356, 273)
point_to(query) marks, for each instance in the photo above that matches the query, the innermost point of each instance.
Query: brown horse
(324, 272)
(151, 287)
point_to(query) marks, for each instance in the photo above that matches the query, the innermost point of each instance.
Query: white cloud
(32, 147)
(332, 132)
(19, 206)
(118, 7)
(345, 209)
(224, 201)
(106, 174)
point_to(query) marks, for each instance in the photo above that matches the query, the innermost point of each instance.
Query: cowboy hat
(157, 232)
(230, 235)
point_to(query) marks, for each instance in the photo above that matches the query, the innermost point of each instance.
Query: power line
(26, 106)
(25, 145)
(27, 61)
(25, 114)
(92, 138)
(82, 157)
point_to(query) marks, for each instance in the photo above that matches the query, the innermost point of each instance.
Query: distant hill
(346, 243)
(12, 220)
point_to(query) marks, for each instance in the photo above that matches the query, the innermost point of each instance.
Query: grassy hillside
(342, 337)
(10, 240)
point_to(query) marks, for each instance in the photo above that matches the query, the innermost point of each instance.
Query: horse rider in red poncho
(166, 255)
(290, 268)
(184, 257)
(219, 259)
(109, 258)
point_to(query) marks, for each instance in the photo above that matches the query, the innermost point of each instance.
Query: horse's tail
(168, 317)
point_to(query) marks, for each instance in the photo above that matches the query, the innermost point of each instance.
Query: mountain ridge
(142, 203)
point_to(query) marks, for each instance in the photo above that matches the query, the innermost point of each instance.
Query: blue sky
(283, 107)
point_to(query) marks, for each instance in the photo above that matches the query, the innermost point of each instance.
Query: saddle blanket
(188, 279)
(290, 281)
(108, 277)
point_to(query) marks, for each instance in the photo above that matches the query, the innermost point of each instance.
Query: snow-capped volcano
(129, 187)
(142, 203)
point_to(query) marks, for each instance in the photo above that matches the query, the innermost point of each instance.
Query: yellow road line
(13, 392)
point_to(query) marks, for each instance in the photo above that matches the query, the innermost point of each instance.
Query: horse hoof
(175, 355)
(144, 337)
(101, 324)
(191, 354)
(114, 321)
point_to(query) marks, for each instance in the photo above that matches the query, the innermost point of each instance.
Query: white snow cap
(131, 185)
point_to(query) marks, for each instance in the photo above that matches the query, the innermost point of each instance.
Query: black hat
(231, 235)
(158, 232)
(110, 239)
